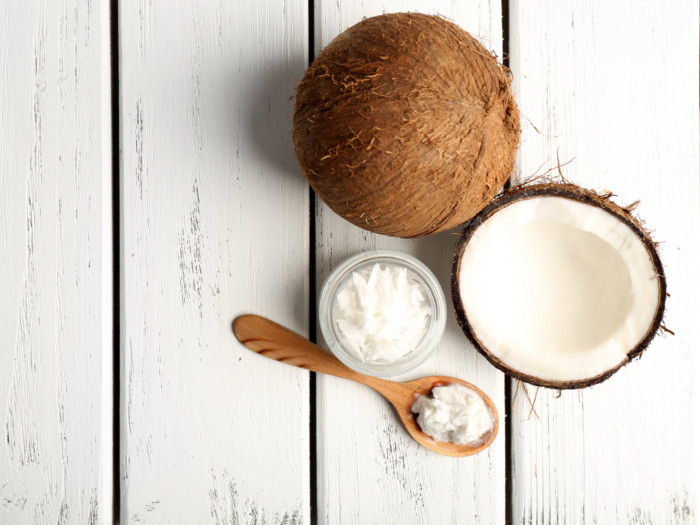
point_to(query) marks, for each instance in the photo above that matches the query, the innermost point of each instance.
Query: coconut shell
(575, 193)
(405, 125)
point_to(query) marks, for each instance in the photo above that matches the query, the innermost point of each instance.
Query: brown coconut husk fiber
(405, 125)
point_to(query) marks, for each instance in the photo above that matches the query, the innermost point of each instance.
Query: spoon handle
(277, 342)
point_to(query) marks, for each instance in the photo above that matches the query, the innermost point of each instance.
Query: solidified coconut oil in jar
(381, 313)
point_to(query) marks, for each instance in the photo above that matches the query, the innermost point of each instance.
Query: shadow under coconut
(270, 111)
(436, 252)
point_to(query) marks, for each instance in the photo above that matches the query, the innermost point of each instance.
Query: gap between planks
(117, 291)
(507, 384)
(313, 317)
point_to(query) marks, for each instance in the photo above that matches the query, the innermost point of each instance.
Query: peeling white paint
(53, 118)
(215, 226)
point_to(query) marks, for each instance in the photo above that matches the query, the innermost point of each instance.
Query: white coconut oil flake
(453, 413)
(381, 313)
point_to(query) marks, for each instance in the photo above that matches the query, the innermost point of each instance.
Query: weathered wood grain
(615, 86)
(215, 225)
(55, 248)
(369, 468)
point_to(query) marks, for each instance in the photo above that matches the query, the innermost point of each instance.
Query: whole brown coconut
(405, 125)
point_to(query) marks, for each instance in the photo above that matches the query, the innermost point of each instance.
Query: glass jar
(417, 272)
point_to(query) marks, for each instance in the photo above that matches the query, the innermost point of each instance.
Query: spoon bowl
(276, 342)
(422, 387)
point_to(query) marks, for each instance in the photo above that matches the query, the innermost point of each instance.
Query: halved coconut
(557, 286)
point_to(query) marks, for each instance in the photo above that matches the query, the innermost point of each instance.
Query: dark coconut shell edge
(575, 193)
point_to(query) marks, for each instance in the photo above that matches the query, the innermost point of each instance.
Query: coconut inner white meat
(557, 289)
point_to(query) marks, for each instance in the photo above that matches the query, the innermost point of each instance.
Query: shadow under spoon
(276, 342)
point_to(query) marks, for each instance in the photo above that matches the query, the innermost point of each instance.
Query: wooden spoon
(277, 342)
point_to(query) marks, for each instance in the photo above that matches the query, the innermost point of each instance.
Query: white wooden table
(149, 197)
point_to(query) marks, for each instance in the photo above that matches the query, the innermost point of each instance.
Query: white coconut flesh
(557, 289)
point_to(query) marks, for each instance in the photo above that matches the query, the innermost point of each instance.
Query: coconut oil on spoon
(276, 342)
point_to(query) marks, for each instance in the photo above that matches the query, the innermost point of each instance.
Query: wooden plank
(55, 248)
(615, 85)
(369, 468)
(215, 225)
